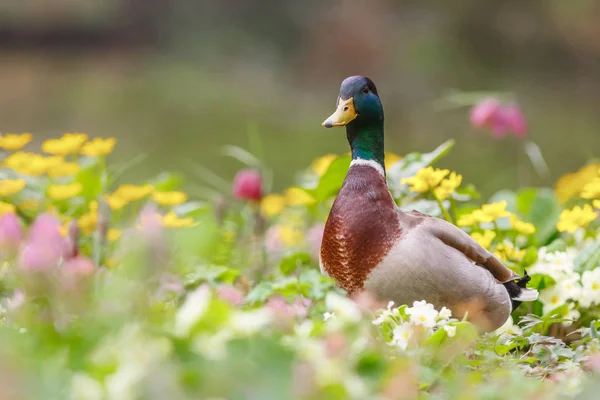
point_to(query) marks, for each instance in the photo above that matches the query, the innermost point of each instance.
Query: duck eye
(345, 108)
(366, 90)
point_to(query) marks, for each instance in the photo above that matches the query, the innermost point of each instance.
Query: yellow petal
(8, 187)
(272, 204)
(169, 198)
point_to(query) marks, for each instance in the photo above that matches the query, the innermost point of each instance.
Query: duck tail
(519, 292)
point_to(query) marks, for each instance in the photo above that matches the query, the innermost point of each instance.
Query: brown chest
(361, 228)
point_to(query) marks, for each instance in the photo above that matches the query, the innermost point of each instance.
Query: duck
(370, 245)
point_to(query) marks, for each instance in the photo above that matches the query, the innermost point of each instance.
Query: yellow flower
(63, 169)
(522, 227)
(578, 217)
(495, 210)
(572, 184)
(272, 204)
(426, 179)
(485, 238)
(132, 192)
(592, 189)
(63, 192)
(169, 198)
(391, 159)
(69, 143)
(448, 186)
(113, 234)
(13, 141)
(31, 163)
(466, 220)
(87, 222)
(170, 220)
(480, 216)
(98, 147)
(115, 202)
(289, 235)
(597, 204)
(8, 187)
(295, 196)
(506, 252)
(6, 208)
(320, 165)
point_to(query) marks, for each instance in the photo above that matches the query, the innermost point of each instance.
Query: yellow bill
(343, 115)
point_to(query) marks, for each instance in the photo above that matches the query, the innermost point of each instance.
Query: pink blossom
(247, 185)
(46, 228)
(44, 246)
(515, 120)
(484, 112)
(10, 233)
(282, 308)
(231, 295)
(17, 300)
(79, 266)
(500, 119)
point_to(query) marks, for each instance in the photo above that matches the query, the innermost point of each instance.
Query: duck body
(369, 244)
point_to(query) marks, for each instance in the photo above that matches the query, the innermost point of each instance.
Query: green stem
(447, 216)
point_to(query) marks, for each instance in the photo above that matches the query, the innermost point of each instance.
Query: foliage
(147, 294)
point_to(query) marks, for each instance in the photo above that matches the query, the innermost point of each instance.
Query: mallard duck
(370, 245)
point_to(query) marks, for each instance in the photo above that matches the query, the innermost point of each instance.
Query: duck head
(359, 109)
(358, 101)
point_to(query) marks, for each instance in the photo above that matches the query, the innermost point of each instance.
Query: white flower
(450, 330)
(191, 311)
(555, 265)
(445, 313)
(591, 288)
(84, 387)
(509, 328)
(553, 297)
(401, 335)
(570, 286)
(384, 315)
(422, 313)
(342, 307)
(247, 323)
(328, 316)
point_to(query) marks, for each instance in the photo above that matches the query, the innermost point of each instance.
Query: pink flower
(489, 113)
(515, 120)
(283, 309)
(485, 112)
(79, 266)
(44, 246)
(46, 228)
(230, 295)
(247, 185)
(10, 233)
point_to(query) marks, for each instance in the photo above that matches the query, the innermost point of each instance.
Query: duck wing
(455, 237)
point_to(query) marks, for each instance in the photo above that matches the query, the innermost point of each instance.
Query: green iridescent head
(359, 109)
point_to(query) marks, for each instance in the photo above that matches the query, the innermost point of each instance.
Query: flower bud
(515, 120)
(247, 185)
(485, 112)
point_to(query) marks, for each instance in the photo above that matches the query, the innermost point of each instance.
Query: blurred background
(178, 79)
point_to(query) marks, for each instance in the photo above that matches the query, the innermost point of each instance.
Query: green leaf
(91, 181)
(260, 293)
(540, 207)
(588, 258)
(242, 155)
(291, 263)
(331, 181)
(413, 162)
